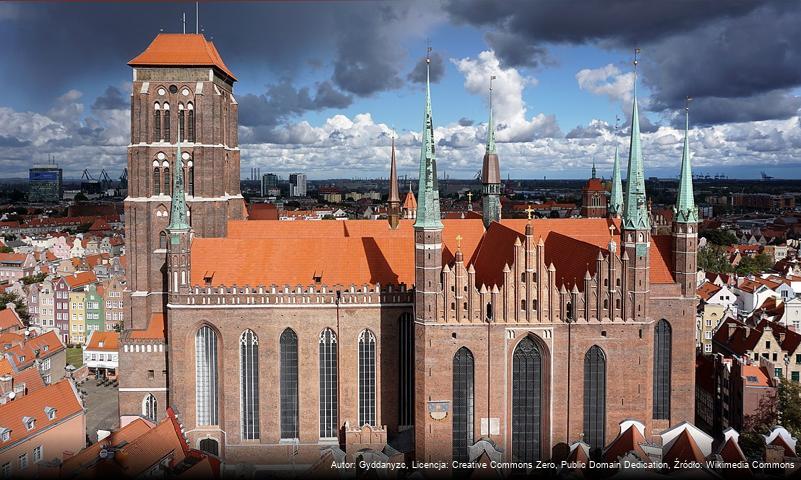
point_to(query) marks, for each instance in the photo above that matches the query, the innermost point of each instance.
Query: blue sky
(562, 80)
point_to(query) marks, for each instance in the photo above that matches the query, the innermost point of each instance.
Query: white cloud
(608, 81)
(509, 109)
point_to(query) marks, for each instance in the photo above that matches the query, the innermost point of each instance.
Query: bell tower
(685, 220)
(181, 89)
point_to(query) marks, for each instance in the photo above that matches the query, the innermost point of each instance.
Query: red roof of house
(410, 203)
(9, 320)
(89, 455)
(181, 49)
(594, 185)
(60, 395)
(80, 279)
(707, 290)
(103, 341)
(628, 441)
(684, 449)
(154, 331)
(754, 376)
(262, 211)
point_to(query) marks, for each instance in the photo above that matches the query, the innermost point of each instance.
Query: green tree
(713, 259)
(754, 265)
(790, 406)
(39, 277)
(19, 305)
(719, 237)
(765, 417)
(6, 249)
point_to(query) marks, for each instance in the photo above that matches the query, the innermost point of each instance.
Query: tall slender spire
(394, 195)
(490, 173)
(635, 214)
(428, 213)
(594, 171)
(490, 124)
(685, 210)
(178, 217)
(616, 199)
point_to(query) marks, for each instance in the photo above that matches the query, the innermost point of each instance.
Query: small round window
(162, 91)
(173, 89)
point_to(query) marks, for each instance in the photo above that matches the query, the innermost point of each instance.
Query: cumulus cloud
(437, 69)
(608, 81)
(283, 100)
(509, 110)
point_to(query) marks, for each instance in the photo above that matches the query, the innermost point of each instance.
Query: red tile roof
(9, 320)
(61, 395)
(262, 211)
(754, 376)
(708, 290)
(626, 442)
(80, 279)
(181, 49)
(88, 457)
(369, 252)
(410, 203)
(684, 449)
(103, 341)
(154, 331)
(730, 452)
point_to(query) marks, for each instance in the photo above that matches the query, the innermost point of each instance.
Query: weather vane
(636, 61)
(428, 51)
(687, 101)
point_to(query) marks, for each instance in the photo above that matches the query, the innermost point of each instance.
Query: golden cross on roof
(470, 197)
(458, 241)
(611, 230)
(529, 211)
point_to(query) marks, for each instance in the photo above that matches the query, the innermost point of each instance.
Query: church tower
(636, 225)
(179, 233)
(427, 275)
(491, 174)
(181, 88)
(685, 220)
(393, 200)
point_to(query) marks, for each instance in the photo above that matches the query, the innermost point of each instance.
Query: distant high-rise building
(297, 185)
(45, 184)
(269, 182)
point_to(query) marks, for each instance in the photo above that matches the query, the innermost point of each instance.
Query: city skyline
(325, 101)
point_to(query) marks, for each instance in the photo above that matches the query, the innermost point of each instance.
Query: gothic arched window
(206, 376)
(191, 123)
(181, 117)
(249, 384)
(595, 397)
(289, 384)
(166, 122)
(162, 240)
(150, 407)
(526, 401)
(663, 336)
(156, 178)
(406, 370)
(167, 181)
(462, 403)
(329, 396)
(156, 122)
(190, 178)
(367, 385)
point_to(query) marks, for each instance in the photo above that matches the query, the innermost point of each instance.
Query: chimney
(6, 383)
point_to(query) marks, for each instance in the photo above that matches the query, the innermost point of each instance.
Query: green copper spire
(685, 209)
(490, 124)
(428, 215)
(594, 172)
(616, 199)
(635, 210)
(178, 220)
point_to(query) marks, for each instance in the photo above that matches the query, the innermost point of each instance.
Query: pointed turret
(635, 210)
(616, 199)
(685, 210)
(428, 214)
(393, 200)
(594, 171)
(491, 173)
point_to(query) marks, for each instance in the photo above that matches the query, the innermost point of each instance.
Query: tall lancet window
(526, 401)
(249, 384)
(663, 340)
(166, 129)
(156, 122)
(190, 178)
(329, 396)
(289, 384)
(167, 179)
(406, 371)
(181, 117)
(367, 386)
(156, 178)
(462, 403)
(150, 407)
(206, 407)
(191, 124)
(595, 397)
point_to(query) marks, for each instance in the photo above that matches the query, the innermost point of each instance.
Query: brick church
(277, 343)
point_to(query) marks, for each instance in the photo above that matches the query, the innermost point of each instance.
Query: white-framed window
(38, 454)
(707, 348)
(23, 461)
(150, 407)
(5, 470)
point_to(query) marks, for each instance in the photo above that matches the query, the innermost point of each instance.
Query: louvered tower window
(328, 385)
(289, 384)
(249, 384)
(206, 376)
(406, 370)
(191, 123)
(663, 337)
(462, 403)
(526, 401)
(150, 407)
(367, 386)
(594, 397)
